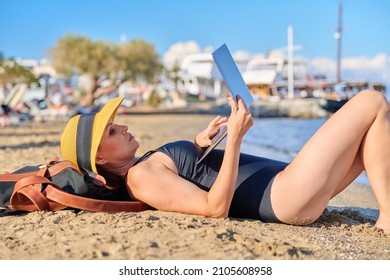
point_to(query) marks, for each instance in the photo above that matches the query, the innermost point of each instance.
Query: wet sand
(344, 231)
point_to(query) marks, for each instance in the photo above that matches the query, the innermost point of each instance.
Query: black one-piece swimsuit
(255, 175)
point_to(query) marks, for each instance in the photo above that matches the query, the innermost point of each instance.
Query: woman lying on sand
(231, 184)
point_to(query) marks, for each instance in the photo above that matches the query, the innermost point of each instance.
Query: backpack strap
(12, 177)
(54, 170)
(30, 194)
(96, 205)
(34, 191)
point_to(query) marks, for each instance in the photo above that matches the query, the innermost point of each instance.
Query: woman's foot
(383, 225)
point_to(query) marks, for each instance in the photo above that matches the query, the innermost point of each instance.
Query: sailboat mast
(290, 64)
(338, 37)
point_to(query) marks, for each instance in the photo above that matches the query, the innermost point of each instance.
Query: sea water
(283, 138)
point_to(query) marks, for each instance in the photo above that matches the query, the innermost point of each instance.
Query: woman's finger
(222, 120)
(232, 103)
(222, 125)
(215, 120)
(241, 103)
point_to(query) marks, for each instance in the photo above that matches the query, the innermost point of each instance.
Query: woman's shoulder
(142, 170)
(152, 164)
(180, 144)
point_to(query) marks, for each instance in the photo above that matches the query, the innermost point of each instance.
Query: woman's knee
(374, 100)
(375, 97)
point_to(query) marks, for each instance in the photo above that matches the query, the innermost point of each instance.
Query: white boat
(199, 76)
(335, 95)
(268, 77)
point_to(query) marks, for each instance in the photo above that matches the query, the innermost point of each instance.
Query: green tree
(80, 55)
(137, 61)
(12, 73)
(173, 73)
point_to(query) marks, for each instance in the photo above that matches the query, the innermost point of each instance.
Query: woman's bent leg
(357, 135)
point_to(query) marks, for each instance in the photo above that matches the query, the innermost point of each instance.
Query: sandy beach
(344, 231)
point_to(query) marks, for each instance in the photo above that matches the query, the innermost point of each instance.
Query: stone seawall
(291, 108)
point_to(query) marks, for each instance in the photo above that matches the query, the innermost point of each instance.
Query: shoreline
(344, 231)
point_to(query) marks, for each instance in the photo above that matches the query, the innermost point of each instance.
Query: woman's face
(117, 144)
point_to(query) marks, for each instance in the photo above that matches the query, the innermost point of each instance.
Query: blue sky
(29, 28)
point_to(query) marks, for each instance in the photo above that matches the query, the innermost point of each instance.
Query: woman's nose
(124, 129)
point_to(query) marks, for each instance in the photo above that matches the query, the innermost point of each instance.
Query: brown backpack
(59, 185)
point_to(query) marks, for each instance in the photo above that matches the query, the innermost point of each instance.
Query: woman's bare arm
(240, 121)
(157, 183)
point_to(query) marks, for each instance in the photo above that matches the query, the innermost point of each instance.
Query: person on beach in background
(232, 184)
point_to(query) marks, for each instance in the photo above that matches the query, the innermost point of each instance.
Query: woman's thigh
(301, 192)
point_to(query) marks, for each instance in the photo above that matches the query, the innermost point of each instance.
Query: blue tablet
(236, 84)
(231, 74)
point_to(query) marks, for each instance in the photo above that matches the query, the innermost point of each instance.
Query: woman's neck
(115, 173)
